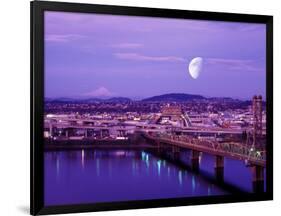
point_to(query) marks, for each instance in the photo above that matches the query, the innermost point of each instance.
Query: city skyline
(139, 57)
(136, 99)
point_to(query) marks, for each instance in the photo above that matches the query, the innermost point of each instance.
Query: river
(93, 176)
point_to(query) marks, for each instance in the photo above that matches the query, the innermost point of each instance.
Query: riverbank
(53, 145)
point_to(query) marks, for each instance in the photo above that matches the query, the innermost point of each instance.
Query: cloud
(63, 37)
(235, 64)
(139, 57)
(223, 61)
(127, 45)
(99, 92)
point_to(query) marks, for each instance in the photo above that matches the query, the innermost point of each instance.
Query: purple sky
(91, 55)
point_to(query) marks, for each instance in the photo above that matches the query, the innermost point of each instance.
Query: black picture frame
(37, 102)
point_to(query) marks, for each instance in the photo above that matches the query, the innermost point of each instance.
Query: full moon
(195, 67)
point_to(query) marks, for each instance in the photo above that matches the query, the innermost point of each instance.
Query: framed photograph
(139, 107)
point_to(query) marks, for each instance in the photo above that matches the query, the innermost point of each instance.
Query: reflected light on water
(143, 156)
(159, 167)
(147, 160)
(83, 158)
(193, 183)
(180, 177)
(168, 170)
(117, 176)
(209, 191)
(57, 167)
(98, 166)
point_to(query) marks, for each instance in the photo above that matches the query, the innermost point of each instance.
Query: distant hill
(174, 97)
(89, 100)
(118, 100)
(61, 99)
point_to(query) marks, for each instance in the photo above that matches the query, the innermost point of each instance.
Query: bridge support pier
(195, 160)
(176, 152)
(258, 179)
(219, 168)
(158, 144)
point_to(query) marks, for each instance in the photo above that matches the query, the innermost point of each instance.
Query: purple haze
(91, 55)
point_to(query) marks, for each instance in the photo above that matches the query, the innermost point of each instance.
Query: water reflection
(82, 158)
(159, 167)
(168, 169)
(57, 167)
(193, 184)
(98, 166)
(180, 177)
(84, 176)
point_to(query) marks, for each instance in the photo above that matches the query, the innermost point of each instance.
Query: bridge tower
(257, 119)
(258, 171)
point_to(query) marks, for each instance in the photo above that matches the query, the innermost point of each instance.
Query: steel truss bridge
(256, 159)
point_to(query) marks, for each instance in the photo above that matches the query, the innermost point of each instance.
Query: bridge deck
(197, 146)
